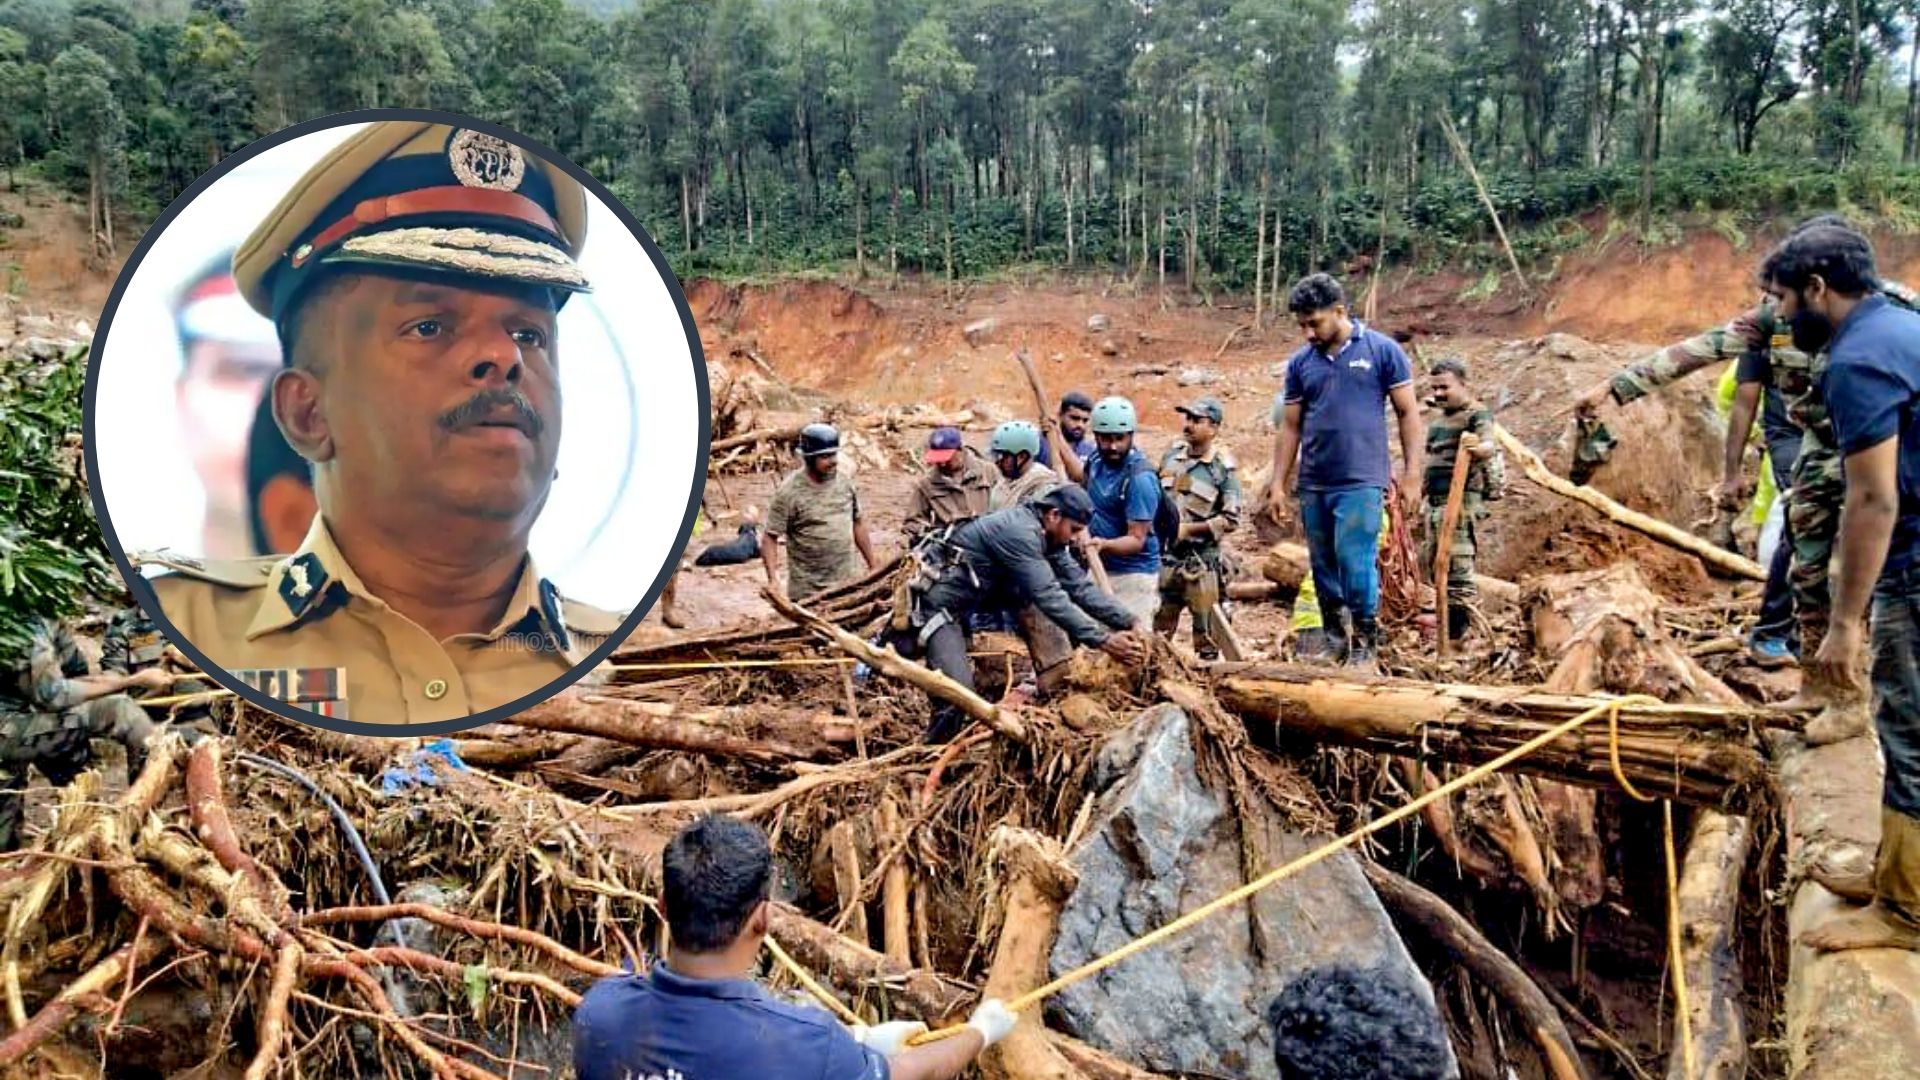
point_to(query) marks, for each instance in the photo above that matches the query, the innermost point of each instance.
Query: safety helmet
(1016, 437)
(1113, 416)
(818, 440)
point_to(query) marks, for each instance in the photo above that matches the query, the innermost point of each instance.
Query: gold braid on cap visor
(473, 251)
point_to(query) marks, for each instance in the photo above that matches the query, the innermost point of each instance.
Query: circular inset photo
(396, 423)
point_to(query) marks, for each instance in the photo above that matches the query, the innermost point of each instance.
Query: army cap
(1206, 406)
(415, 197)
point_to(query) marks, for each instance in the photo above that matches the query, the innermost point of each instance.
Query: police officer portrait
(396, 422)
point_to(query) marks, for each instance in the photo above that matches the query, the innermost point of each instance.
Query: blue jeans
(1343, 544)
(1896, 686)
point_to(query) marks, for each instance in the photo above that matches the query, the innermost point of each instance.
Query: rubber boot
(1892, 920)
(1312, 646)
(1459, 621)
(1364, 644)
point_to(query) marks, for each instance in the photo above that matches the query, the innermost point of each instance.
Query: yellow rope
(1682, 1020)
(1332, 847)
(799, 661)
(819, 992)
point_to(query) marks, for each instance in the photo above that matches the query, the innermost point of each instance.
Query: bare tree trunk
(686, 213)
(1910, 134)
(1260, 249)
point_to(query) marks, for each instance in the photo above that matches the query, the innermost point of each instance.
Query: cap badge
(485, 161)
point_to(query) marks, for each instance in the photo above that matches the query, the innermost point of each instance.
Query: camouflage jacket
(38, 687)
(1792, 372)
(1205, 489)
(1443, 446)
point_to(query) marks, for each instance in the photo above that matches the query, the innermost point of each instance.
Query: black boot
(1459, 621)
(1365, 643)
(1333, 619)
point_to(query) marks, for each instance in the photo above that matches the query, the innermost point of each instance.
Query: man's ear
(760, 923)
(302, 416)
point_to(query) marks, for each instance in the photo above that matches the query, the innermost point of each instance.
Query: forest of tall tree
(1200, 142)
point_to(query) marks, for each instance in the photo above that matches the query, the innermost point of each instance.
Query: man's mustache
(482, 405)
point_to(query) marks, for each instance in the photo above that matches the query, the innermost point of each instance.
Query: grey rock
(1161, 843)
(1195, 376)
(980, 330)
(1099, 324)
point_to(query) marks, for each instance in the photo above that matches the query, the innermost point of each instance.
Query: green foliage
(51, 556)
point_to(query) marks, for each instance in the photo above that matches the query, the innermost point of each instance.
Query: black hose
(340, 818)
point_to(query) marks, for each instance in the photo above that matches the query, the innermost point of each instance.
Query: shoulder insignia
(304, 583)
(233, 573)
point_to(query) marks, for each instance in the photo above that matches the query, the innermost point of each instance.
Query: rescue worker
(1823, 280)
(1126, 497)
(1016, 559)
(1203, 481)
(1463, 426)
(957, 487)
(816, 512)
(52, 707)
(1071, 429)
(1016, 448)
(699, 1014)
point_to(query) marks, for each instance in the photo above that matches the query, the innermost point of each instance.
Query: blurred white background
(627, 378)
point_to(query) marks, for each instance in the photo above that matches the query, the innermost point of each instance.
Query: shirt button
(436, 689)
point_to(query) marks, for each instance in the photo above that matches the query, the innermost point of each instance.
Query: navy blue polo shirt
(1872, 388)
(1343, 401)
(1118, 501)
(663, 1026)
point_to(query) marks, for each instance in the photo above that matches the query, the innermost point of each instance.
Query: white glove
(890, 1038)
(993, 1020)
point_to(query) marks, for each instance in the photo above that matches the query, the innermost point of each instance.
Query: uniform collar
(1186, 451)
(316, 579)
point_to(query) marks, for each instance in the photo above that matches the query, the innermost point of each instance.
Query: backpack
(1166, 516)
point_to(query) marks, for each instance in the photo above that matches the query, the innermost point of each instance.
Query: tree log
(845, 855)
(855, 970)
(896, 921)
(1286, 565)
(1691, 753)
(1709, 906)
(1036, 883)
(1537, 471)
(665, 727)
(1447, 928)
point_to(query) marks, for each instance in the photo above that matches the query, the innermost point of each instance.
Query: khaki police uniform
(303, 628)
(409, 198)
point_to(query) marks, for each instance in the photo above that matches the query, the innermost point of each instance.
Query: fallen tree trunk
(1286, 565)
(664, 727)
(1691, 753)
(1537, 471)
(1709, 907)
(1447, 928)
(1036, 882)
(855, 970)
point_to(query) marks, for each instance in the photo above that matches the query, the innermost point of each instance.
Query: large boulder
(1161, 843)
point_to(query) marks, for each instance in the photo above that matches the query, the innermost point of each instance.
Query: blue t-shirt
(1085, 448)
(663, 1026)
(1118, 501)
(1872, 388)
(1343, 402)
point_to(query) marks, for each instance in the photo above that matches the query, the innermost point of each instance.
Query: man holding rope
(698, 1014)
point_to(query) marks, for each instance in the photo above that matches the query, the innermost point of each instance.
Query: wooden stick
(846, 881)
(486, 931)
(888, 662)
(1466, 159)
(1451, 931)
(854, 969)
(273, 1018)
(1443, 543)
(896, 923)
(1062, 453)
(1654, 528)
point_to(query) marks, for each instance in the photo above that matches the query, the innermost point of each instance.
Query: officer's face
(1113, 448)
(1073, 423)
(1199, 429)
(439, 399)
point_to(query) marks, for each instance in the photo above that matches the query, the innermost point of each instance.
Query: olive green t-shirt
(816, 520)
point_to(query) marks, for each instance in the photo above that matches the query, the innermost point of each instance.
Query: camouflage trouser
(1896, 685)
(1813, 524)
(1460, 587)
(1190, 584)
(61, 744)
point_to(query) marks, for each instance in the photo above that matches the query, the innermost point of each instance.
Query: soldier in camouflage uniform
(52, 708)
(1463, 424)
(1203, 480)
